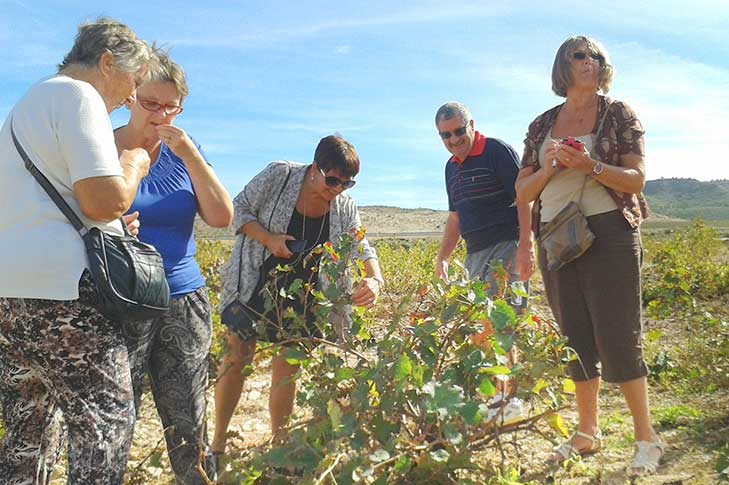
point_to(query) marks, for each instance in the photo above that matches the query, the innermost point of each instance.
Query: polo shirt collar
(479, 144)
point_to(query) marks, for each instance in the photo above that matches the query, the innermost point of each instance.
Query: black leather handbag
(128, 274)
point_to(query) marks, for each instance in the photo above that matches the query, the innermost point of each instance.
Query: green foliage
(675, 416)
(722, 462)
(686, 274)
(404, 400)
(210, 256)
(684, 268)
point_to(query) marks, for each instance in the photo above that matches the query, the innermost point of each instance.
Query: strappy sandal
(567, 450)
(644, 462)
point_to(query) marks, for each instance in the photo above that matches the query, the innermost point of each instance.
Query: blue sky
(269, 79)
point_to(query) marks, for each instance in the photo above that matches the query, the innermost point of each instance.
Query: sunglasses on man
(581, 56)
(333, 181)
(457, 132)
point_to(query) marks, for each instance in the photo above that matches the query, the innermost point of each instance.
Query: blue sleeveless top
(167, 206)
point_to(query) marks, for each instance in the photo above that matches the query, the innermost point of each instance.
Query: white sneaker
(503, 414)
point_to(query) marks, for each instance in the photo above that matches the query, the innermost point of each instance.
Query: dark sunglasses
(457, 132)
(581, 56)
(154, 106)
(333, 181)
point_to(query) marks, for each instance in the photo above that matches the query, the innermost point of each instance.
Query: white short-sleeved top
(65, 129)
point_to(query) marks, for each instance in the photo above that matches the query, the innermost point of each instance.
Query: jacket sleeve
(247, 204)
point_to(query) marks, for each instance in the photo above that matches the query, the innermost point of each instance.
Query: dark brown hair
(335, 153)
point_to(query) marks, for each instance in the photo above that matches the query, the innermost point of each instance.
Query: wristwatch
(598, 168)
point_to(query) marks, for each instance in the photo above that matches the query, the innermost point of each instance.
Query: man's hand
(441, 269)
(525, 261)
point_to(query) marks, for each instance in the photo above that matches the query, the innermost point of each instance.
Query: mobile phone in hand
(573, 142)
(296, 246)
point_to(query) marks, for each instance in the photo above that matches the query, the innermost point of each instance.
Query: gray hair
(561, 73)
(451, 110)
(166, 70)
(105, 34)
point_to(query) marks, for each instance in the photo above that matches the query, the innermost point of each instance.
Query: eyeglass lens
(457, 132)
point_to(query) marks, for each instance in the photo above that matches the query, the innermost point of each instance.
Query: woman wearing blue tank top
(173, 349)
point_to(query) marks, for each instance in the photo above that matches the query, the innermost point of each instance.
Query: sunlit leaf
(486, 387)
(404, 367)
(568, 386)
(554, 420)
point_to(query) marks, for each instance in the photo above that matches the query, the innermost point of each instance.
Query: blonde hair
(166, 70)
(561, 70)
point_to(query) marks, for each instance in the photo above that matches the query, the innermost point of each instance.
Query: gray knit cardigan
(267, 200)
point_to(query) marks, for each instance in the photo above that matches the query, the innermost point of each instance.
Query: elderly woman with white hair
(59, 357)
(590, 151)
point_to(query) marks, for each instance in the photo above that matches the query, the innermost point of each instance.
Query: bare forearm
(256, 231)
(214, 203)
(529, 184)
(372, 269)
(524, 216)
(621, 179)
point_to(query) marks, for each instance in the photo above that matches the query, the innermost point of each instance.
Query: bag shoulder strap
(599, 129)
(48, 187)
(280, 192)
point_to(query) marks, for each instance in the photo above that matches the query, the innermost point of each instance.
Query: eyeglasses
(457, 132)
(154, 106)
(581, 56)
(333, 181)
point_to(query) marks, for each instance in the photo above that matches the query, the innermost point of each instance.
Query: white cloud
(343, 49)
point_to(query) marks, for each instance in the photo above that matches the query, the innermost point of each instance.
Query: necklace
(321, 226)
(321, 229)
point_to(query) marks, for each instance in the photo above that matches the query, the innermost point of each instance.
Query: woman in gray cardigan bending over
(281, 215)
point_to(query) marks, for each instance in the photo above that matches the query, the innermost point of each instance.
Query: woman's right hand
(276, 243)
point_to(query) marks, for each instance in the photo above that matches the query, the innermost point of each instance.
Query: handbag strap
(48, 187)
(599, 128)
(280, 193)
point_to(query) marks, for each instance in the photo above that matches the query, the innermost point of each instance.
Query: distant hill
(668, 198)
(689, 198)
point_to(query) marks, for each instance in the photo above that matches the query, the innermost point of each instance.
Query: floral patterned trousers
(63, 361)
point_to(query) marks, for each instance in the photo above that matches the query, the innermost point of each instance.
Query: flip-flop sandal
(567, 450)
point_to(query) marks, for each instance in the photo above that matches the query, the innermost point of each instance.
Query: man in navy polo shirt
(480, 180)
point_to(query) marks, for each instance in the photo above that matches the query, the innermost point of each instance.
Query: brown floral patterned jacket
(621, 134)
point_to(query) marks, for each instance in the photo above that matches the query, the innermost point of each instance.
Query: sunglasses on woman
(333, 181)
(581, 56)
(457, 132)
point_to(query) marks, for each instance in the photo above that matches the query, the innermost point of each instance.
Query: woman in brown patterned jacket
(596, 297)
